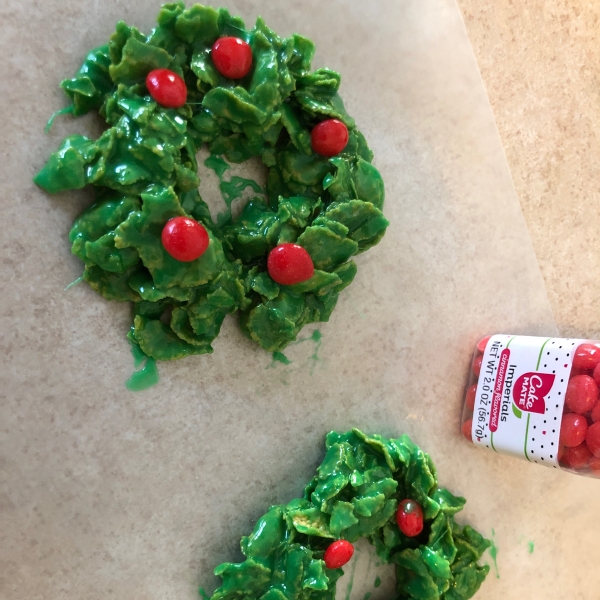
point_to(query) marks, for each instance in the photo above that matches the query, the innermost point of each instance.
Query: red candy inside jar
(537, 399)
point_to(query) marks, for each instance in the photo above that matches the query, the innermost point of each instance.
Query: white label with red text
(520, 396)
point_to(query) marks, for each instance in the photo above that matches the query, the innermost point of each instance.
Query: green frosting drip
(279, 357)
(494, 553)
(354, 494)
(145, 378)
(73, 283)
(143, 170)
(138, 356)
(351, 582)
(68, 110)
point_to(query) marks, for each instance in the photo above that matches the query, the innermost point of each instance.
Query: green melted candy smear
(143, 169)
(355, 494)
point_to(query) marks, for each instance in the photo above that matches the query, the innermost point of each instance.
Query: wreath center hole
(228, 187)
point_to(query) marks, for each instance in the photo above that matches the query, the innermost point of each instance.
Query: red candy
(582, 394)
(467, 430)
(596, 374)
(575, 372)
(167, 88)
(184, 239)
(409, 517)
(338, 554)
(595, 464)
(329, 138)
(575, 444)
(572, 430)
(483, 343)
(470, 397)
(477, 365)
(576, 458)
(595, 414)
(289, 264)
(587, 356)
(592, 439)
(232, 57)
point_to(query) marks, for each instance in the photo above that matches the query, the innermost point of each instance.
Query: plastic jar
(538, 399)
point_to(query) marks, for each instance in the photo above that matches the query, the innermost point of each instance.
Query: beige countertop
(540, 63)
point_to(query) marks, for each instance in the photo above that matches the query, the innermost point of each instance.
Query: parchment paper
(109, 494)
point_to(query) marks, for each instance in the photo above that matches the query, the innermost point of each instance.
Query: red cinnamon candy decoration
(185, 239)
(587, 356)
(289, 264)
(232, 57)
(167, 88)
(409, 517)
(338, 554)
(329, 137)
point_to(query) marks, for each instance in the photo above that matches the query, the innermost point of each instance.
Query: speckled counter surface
(109, 494)
(540, 62)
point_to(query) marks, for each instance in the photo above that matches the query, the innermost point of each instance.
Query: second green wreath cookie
(148, 238)
(385, 490)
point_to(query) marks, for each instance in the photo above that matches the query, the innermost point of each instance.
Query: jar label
(520, 396)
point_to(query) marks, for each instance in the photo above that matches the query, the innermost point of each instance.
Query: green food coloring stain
(280, 357)
(355, 307)
(494, 553)
(138, 355)
(351, 582)
(144, 378)
(217, 164)
(203, 594)
(68, 110)
(315, 337)
(73, 283)
(147, 376)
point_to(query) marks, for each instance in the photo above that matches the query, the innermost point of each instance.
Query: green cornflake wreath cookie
(165, 95)
(359, 491)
